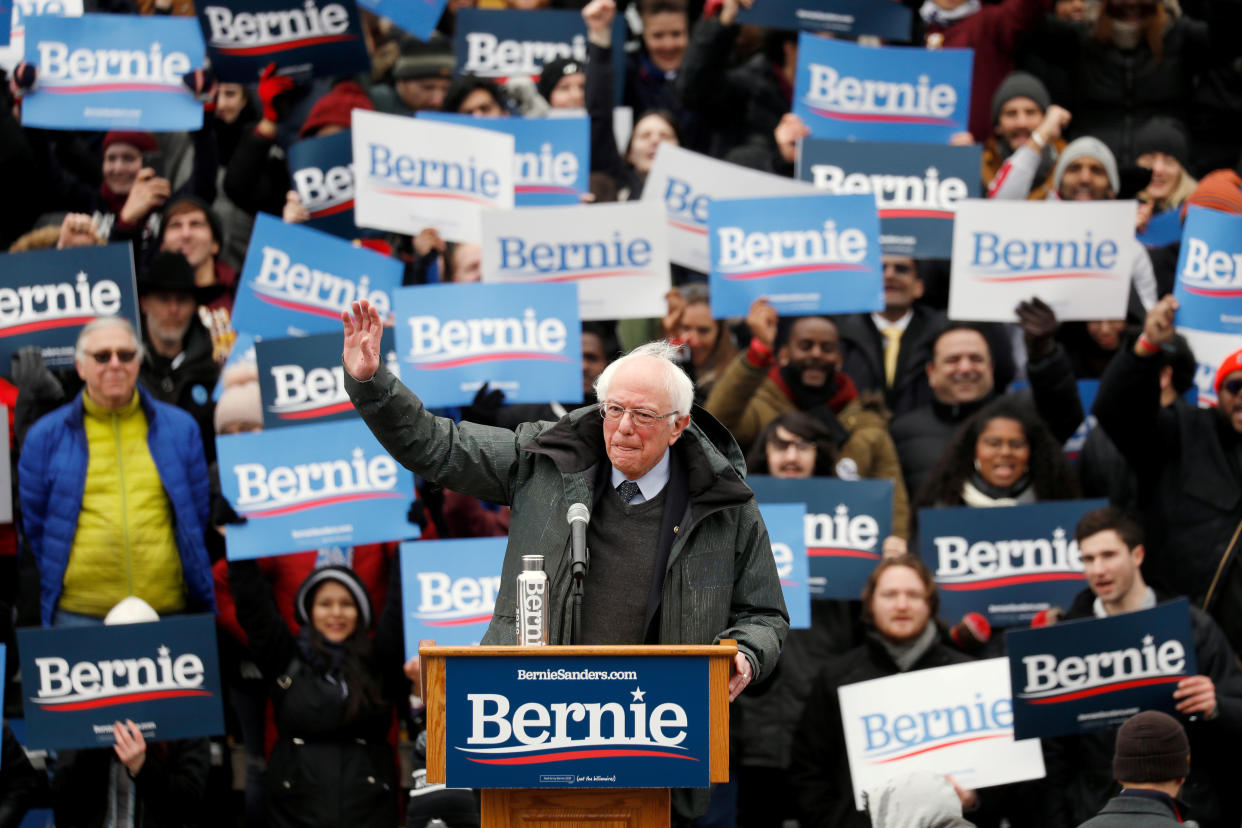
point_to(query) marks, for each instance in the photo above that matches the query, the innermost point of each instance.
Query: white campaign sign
(685, 182)
(410, 174)
(15, 52)
(955, 720)
(1076, 256)
(616, 253)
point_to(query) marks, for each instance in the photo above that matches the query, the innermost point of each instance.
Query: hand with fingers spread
(363, 330)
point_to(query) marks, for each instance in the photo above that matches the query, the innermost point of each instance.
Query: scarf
(934, 15)
(325, 659)
(980, 493)
(906, 654)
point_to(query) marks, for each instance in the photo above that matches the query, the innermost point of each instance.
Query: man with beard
(177, 366)
(794, 364)
(1027, 136)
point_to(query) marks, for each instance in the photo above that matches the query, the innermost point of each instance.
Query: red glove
(271, 87)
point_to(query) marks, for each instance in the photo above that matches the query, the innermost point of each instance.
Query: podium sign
(621, 721)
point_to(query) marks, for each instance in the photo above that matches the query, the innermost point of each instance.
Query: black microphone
(579, 516)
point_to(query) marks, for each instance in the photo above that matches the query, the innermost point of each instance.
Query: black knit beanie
(1151, 747)
(1020, 85)
(1162, 135)
(342, 575)
(554, 71)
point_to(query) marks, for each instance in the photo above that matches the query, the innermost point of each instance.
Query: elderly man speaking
(679, 553)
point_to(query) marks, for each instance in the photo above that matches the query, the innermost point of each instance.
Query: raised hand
(363, 329)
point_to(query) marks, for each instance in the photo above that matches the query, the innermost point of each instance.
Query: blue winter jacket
(52, 478)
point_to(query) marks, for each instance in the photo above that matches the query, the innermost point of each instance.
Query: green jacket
(720, 579)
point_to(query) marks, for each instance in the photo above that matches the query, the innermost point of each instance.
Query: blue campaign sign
(307, 38)
(416, 17)
(916, 187)
(505, 43)
(785, 522)
(1081, 676)
(448, 589)
(576, 722)
(322, 173)
(297, 281)
(1162, 229)
(164, 675)
(551, 156)
(301, 379)
(6, 12)
(312, 486)
(1008, 563)
(523, 339)
(846, 524)
(891, 93)
(805, 254)
(1209, 272)
(881, 18)
(112, 71)
(46, 296)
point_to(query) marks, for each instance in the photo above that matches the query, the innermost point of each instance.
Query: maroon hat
(335, 108)
(144, 141)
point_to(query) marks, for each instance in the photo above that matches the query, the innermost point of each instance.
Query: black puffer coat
(328, 768)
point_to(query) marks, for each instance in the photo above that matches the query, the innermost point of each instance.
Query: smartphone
(154, 160)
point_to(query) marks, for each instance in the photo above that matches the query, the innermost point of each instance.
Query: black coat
(328, 768)
(863, 350)
(819, 770)
(1080, 768)
(186, 382)
(1188, 462)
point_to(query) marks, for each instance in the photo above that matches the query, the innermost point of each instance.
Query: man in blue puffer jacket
(114, 492)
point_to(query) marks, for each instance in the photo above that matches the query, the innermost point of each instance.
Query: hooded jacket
(719, 578)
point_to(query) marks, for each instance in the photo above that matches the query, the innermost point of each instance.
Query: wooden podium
(597, 807)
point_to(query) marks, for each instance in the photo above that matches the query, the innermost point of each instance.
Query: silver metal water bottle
(532, 602)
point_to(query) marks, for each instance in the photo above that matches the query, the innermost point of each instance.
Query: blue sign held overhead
(508, 43)
(111, 71)
(297, 281)
(785, 522)
(881, 18)
(551, 156)
(312, 486)
(6, 13)
(845, 527)
(1093, 674)
(322, 173)
(1209, 272)
(805, 254)
(416, 17)
(916, 187)
(892, 93)
(307, 38)
(507, 725)
(164, 675)
(523, 339)
(47, 296)
(1008, 564)
(302, 381)
(448, 589)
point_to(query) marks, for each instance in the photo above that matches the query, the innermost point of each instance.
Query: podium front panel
(577, 722)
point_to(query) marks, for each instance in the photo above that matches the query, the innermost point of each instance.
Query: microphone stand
(579, 568)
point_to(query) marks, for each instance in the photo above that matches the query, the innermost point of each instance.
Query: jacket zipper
(120, 468)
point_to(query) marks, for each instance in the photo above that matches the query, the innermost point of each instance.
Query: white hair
(101, 322)
(678, 386)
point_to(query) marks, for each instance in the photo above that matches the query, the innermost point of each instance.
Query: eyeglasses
(640, 417)
(1233, 386)
(777, 444)
(125, 355)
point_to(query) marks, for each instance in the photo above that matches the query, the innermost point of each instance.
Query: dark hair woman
(332, 690)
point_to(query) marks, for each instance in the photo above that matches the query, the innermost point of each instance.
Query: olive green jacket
(720, 579)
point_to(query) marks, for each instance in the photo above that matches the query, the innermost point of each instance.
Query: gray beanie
(1092, 148)
(1020, 85)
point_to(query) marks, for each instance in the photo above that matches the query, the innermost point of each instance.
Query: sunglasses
(1233, 386)
(125, 355)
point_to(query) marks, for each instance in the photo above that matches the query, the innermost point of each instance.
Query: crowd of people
(119, 517)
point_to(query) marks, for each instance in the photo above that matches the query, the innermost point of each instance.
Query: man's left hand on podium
(742, 674)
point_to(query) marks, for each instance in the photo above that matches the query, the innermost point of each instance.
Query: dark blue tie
(628, 490)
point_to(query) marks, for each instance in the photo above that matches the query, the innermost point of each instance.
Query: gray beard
(1127, 35)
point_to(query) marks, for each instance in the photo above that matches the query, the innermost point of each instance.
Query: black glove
(483, 408)
(223, 514)
(1039, 326)
(417, 514)
(32, 376)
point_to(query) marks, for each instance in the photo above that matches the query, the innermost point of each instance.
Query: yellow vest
(125, 543)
